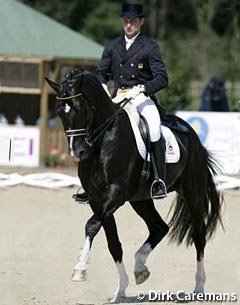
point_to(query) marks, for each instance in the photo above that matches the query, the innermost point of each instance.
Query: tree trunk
(162, 19)
(153, 22)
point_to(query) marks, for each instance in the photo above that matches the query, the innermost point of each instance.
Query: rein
(99, 132)
(68, 97)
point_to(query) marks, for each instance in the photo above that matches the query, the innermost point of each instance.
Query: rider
(138, 71)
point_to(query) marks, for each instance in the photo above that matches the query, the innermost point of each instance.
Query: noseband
(73, 132)
(96, 134)
(76, 132)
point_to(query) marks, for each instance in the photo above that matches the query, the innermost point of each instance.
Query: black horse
(110, 167)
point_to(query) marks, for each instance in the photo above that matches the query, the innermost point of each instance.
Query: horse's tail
(198, 200)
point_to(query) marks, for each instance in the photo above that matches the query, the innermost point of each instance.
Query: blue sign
(200, 126)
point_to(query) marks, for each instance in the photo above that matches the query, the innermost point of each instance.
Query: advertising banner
(219, 132)
(19, 146)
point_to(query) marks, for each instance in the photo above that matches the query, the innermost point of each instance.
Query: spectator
(214, 96)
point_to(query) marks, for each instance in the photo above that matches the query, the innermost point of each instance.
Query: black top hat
(132, 10)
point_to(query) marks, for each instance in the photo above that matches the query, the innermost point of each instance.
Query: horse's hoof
(118, 299)
(199, 288)
(141, 276)
(79, 275)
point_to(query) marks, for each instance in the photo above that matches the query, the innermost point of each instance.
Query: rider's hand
(135, 91)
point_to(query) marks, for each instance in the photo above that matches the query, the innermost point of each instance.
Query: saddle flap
(172, 147)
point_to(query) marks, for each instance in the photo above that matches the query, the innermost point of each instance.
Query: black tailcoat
(141, 64)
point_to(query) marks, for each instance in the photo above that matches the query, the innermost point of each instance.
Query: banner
(5, 148)
(19, 146)
(219, 132)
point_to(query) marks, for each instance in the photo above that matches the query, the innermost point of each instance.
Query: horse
(99, 132)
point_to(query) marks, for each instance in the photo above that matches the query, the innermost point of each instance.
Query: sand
(42, 232)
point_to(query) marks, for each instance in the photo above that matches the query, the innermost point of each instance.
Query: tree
(103, 23)
(69, 12)
(176, 95)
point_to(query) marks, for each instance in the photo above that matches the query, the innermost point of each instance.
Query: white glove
(135, 91)
(118, 98)
(105, 87)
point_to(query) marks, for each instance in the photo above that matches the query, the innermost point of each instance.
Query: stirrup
(161, 193)
(81, 198)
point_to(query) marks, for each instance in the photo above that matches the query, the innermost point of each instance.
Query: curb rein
(97, 133)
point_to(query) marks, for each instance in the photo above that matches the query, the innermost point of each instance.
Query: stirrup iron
(163, 193)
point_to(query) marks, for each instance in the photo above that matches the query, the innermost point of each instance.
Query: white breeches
(147, 108)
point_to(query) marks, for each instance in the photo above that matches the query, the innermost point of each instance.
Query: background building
(32, 47)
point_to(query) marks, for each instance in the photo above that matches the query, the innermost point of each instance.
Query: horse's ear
(56, 87)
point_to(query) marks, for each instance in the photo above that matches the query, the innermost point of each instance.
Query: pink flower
(54, 151)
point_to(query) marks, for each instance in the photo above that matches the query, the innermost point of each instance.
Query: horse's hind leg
(92, 227)
(199, 239)
(157, 230)
(189, 222)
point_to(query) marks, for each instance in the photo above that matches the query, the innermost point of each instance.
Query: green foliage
(69, 12)
(176, 95)
(101, 24)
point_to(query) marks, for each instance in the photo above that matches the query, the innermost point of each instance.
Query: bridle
(92, 138)
(71, 133)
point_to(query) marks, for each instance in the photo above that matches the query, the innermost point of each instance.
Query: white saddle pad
(172, 147)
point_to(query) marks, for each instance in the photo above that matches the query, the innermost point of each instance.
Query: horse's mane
(75, 74)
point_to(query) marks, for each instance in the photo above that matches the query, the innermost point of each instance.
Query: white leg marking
(79, 273)
(141, 256)
(71, 147)
(123, 282)
(200, 277)
(140, 270)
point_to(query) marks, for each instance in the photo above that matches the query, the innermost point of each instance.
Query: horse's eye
(67, 108)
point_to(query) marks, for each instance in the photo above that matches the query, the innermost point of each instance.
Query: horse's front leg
(115, 249)
(157, 230)
(92, 227)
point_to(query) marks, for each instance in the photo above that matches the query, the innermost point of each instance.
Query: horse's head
(82, 104)
(72, 108)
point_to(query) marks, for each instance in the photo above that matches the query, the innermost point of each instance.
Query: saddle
(168, 121)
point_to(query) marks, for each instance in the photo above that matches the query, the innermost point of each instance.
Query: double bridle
(96, 134)
(72, 132)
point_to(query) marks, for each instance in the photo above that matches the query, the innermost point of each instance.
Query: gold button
(133, 76)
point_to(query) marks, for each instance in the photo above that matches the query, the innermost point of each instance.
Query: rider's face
(132, 26)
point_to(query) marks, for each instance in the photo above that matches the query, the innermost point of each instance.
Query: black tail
(198, 200)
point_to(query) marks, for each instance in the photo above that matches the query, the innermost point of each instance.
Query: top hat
(132, 10)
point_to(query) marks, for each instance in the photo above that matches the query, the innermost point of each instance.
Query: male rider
(135, 64)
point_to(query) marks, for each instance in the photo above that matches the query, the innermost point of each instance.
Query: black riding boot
(80, 197)
(158, 187)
